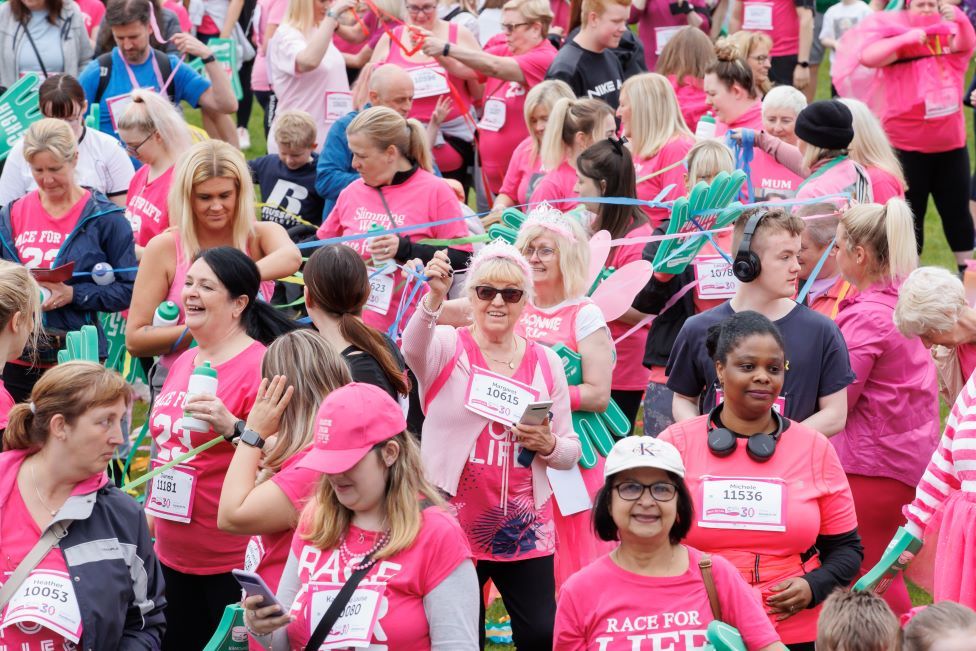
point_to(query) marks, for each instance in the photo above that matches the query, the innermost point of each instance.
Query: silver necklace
(37, 491)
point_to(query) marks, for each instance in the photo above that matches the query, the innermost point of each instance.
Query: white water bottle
(706, 127)
(103, 274)
(202, 380)
(167, 314)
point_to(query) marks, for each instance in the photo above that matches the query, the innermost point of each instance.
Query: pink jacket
(451, 430)
(825, 177)
(893, 406)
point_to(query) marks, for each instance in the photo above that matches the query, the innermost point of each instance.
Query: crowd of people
(592, 307)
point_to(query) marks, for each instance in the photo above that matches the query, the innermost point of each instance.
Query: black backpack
(105, 73)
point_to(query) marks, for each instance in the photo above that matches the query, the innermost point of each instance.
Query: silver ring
(386, 250)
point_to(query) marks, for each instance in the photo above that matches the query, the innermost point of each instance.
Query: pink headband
(551, 219)
(500, 249)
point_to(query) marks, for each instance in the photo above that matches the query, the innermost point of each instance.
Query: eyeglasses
(661, 491)
(488, 294)
(426, 9)
(508, 28)
(134, 151)
(545, 253)
(762, 58)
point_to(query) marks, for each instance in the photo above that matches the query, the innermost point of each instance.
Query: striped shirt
(953, 464)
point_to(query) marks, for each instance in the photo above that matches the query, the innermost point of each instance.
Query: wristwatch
(236, 435)
(208, 59)
(803, 64)
(252, 438)
(447, 50)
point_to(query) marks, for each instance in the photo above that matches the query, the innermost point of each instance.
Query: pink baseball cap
(351, 420)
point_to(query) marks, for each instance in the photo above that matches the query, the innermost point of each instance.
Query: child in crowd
(287, 179)
(838, 19)
(856, 621)
(945, 626)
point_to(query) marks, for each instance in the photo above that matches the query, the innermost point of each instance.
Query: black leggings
(528, 589)
(268, 102)
(781, 69)
(194, 606)
(629, 403)
(945, 176)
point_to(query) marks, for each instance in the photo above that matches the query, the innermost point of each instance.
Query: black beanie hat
(827, 124)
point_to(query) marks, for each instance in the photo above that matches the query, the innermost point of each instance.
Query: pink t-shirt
(629, 374)
(667, 168)
(770, 180)
(557, 184)
(6, 404)
(323, 92)
(751, 118)
(199, 547)
(420, 199)
(814, 499)
(403, 580)
(521, 170)
(146, 205)
(503, 126)
(884, 186)
(182, 15)
(776, 19)
(645, 612)
(37, 235)
(92, 11)
(561, 10)
(272, 13)
(691, 99)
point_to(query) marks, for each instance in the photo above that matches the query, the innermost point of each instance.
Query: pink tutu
(955, 563)
(576, 544)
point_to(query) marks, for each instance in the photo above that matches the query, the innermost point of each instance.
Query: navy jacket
(102, 234)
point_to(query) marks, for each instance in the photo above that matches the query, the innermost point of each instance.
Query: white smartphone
(536, 412)
(253, 584)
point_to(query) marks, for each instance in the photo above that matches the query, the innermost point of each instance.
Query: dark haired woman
(658, 585)
(231, 329)
(42, 36)
(607, 170)
(771, 494)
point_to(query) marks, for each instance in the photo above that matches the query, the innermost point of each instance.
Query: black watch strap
(208, 59)
(252, 438)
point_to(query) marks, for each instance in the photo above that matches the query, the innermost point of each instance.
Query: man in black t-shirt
(585, 62)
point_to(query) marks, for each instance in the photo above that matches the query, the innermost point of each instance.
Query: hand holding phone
(254, 586)
(535, 414)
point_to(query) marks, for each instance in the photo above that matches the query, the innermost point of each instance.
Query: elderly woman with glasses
(475, 384)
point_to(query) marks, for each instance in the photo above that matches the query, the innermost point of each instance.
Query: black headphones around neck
(747, 266)
(722, 441)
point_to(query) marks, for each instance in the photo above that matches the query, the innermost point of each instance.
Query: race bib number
(428, 82)
(354, 627)
(493, 118)
(253, 554)
(715, 278)
(171, 493)
(664, 34)
(779, 404)
(743, 503)
(380, 291)
(337, 104)
(757, 15)
(942, 103)
(47, 599)
(497, 397)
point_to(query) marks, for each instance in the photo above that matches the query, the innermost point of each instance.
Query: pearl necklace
(347, 556)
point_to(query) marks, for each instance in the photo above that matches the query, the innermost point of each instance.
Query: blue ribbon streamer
(743, 151)
(816, 272)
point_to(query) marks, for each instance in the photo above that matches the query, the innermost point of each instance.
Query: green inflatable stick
(231, 633)
(18, 110)
(897, 555)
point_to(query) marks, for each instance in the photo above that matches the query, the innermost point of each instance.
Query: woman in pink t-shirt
(524, 168)
(155, 133)
(652, 591)
(790, 24)
(754, 48)
(767, 490)
(659, 21)
(873, 151)
(659, 139)
(20, 320)
(373, 512)
(684, 61)
(573, 126)
(232, 329)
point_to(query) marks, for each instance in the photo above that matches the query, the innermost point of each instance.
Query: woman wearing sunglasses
(659, 594)
(475, 383)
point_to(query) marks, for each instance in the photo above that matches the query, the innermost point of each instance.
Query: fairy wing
(599, 251)
(616, 293)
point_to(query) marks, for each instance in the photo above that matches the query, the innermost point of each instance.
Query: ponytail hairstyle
(609, 164)
(655, 117)
(888, 233)
(706, 159)
(315, 370)
(338, 283)
(240, 276)
(69, 389)
(20, 293)
(567, 118)
(386, 128)
(544, 94)
(732, 69)
(722, 338)
(149, 113)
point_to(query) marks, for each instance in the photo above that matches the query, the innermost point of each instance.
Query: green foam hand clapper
(708, 207)
(722, 637)
(596, 431)
(18, 110)
(897, 555)
(508, 228)
(80, 345)
(225, 51)
(231, 633)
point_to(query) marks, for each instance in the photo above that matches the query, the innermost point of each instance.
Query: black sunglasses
(488, 294)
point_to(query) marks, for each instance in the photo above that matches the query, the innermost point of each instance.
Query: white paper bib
(380, 291)
(665, 34)
(428, 81)
(354, 628)
(337, 104)
(942, 103)
(497, 397)
(757, 15)
(171, 493)
(48, 599)
(715, 278)
(743, 503)
(493, 119)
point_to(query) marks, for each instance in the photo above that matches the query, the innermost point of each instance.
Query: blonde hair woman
(300, 369)
(526, 161)
(893, 408)
(211, 204)
(650, 119)
(573, 126)
(59, 223)
(373, 511)
(391, 155)
(20, 320)
(684, 61)
(872, 150)
(154, 132)
(754, 48)
(705, 160)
